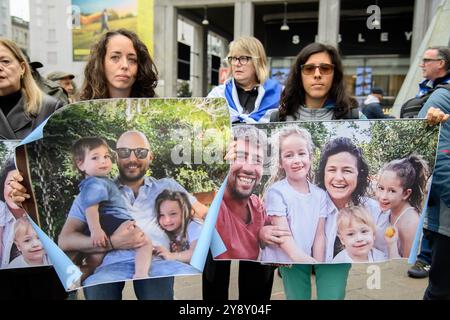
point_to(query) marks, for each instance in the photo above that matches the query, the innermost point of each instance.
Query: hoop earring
(21, 76)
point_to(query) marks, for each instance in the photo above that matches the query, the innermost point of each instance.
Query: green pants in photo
(331, 281)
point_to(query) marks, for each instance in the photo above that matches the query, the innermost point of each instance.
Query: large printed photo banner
(84, 172)
(342, 191)
(20, 245)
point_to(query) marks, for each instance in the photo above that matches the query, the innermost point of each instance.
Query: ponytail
(413, 171)
(420, 180)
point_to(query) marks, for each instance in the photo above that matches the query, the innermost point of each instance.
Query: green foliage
(6, 151)
(190, 125)
(183, 89)
(381, 141)
(3, 153)
(397, 139)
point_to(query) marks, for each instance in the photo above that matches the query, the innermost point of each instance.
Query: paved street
(393, 282)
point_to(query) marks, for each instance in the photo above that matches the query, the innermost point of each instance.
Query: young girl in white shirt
(174, 215)
(293, 202)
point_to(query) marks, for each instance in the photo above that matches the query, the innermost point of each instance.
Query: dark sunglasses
(324, 68)
(140, 153)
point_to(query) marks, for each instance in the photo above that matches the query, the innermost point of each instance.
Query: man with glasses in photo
(134, 158)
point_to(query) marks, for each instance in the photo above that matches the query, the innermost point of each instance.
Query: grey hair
(443, 53)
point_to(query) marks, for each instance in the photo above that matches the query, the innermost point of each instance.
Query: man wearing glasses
(133, 160)
(436, 69)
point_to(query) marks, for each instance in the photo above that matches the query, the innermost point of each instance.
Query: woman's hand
(436, 116)
(231, 152)
(17, 192)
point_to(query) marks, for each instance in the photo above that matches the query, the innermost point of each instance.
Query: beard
(241, 195)
(125, 177)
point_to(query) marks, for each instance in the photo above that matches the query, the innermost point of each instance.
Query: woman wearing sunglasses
(315, 88)
(250, 95)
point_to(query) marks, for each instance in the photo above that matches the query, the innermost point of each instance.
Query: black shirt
(247, 98)
(8, 102)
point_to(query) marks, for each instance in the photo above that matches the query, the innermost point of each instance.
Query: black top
(247, 98)
(8, 102)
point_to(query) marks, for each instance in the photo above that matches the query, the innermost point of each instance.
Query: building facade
(20, 33)
(5, 20)
(378, 38)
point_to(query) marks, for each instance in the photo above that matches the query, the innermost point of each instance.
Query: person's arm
(72, 239)
(272, 235)
(98, 236)
(320, 241)
(289, 246)
(183, 256)
(200, 210)
(437, 108)
(407, 233)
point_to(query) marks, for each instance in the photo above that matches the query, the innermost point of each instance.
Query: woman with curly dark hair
(119, 66)
(343, 174)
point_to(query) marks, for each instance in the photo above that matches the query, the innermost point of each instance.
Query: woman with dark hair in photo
(343, 174)
(315, 90)
(34, 283)
(23, 105)
(119, 66)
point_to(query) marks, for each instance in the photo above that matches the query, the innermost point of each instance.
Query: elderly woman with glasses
(23, 105)
(250, 95)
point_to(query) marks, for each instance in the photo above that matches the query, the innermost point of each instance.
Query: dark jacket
(17, 125)
(52, 88)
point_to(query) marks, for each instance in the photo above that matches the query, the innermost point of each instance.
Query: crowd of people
(120, 66)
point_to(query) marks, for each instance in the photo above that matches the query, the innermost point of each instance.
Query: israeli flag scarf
(267, 101)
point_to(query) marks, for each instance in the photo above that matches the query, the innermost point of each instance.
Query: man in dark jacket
(372, 105)
(47, 86)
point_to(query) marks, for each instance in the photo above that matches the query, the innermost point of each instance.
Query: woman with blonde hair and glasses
(250, 94)
(23, 105)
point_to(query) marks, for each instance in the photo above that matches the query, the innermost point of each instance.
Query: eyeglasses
(324, 68)
(140, 153)
(242, 60)
(426, 60)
